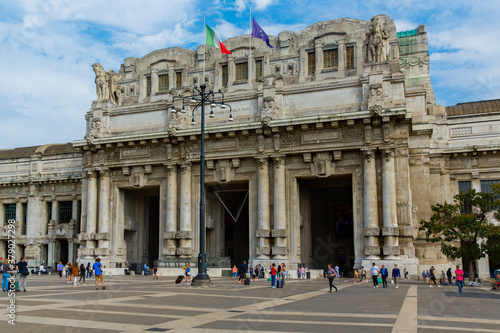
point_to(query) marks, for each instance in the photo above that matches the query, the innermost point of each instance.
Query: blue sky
(47, 48)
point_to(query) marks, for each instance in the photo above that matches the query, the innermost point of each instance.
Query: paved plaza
(139, 304)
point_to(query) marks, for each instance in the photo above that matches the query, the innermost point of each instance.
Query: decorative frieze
(372, 231)
(184, 251)
(262, 233)
(372, 250)
(169, 251)
(102, 252)
(390, 231)
(263, 250)
(279, 250)
(391, 250)
(281, 233)
(184, 235)
(169, 235)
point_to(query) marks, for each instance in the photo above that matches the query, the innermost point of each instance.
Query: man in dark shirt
(22, 271)
(384, 273)
(432, 277)
(243, 271)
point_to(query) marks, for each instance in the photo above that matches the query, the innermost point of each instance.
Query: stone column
(71, 249)
(342, 57)
(83, 217)
(74, 209)
(171, 227)
(372, 248)
(280, 226)
(231, 70)
(154, 81)
(483, 264)
(103, 228)
(263, 249)
(318, 52)
(185, 233)
(390, 230)
(55, 211)
(51, 253)
(2, 217)
(91, 214)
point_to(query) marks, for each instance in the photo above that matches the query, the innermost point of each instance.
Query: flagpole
(250, 50)
(204, 49)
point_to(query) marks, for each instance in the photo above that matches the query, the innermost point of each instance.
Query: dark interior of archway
(332, 229)
(153, 228)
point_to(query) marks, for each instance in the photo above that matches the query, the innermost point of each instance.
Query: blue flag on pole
(257, 32)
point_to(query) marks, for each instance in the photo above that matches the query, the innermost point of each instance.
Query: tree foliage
(462, 228)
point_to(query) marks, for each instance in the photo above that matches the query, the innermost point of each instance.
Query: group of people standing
(9, 271)
(76, 274)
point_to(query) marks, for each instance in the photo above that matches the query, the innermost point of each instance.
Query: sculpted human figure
(115, 94)
(101, 82)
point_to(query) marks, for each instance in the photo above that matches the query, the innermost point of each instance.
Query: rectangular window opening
(224, 75)
(148, 85)
(241, 71)
(331, 59)
(65, 211)
(349, 57)
(311, 63)
(10, 212)
(258, 69)
(178, 79)
(162, 83)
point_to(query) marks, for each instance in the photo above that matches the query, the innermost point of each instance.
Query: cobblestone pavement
(139, 304)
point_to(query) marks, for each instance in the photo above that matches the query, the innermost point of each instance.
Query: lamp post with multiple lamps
(198, 99)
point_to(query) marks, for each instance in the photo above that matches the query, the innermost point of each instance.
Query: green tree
(462, 228)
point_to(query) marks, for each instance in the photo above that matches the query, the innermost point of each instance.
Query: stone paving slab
(132, 304)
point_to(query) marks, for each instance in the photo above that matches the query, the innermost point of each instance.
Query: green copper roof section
(407, 33)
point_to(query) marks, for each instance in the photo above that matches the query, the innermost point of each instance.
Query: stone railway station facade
(335, 151)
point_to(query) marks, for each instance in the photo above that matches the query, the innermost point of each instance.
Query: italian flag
(213, 40)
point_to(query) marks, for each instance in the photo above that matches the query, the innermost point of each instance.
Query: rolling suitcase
(179, 279)
(279, 284)
(247, 281)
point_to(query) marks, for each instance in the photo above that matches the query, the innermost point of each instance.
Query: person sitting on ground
(496, 283)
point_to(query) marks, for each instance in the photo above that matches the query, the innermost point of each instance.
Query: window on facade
(349, 57)
(486, 188)
(25, 218)
(241, 71)
(258, 68)
(331, 58)
(162, 83)
(311, 63)
(10, 212)
(49, 211)
(224, 75)
(178, 79)
(65, 211)
(464, 187)
(148, 85)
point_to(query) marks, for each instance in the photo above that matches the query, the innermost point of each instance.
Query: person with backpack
(23, 271)
(82, 274)
(97, 267)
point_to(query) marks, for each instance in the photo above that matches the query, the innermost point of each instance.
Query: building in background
(334, 153)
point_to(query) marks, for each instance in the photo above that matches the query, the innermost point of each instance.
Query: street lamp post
(198, 99)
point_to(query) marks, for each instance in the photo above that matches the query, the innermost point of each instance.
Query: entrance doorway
(227, 224)
(327, 235)
(142, 226)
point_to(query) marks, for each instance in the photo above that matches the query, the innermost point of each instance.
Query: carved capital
(390, 231)
(263, 162)
(391, 250)
(278, 233)
(184, 235)
(372, 250)
(279, 161)
(388, 154)
(372, 231)
(169, 235)
(279, 250)
(263, 250)
(185, 167)
(92, 174)
(367, 154)
(104, 173)
(262, 233)
(184, 251)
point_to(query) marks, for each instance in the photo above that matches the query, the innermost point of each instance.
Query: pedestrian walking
(75, 272)
(243, 272)
(432, 277)
(303, 272)
(448, 275)
(69, 272)
(89, 271)
(396, 274)
(60, 268)
(97, 268)
(145, 269)
(283, 274)
(331, 276)
(363, 274)
(188, 272)
(82, 274)
(66, 270)
(427, 276)
(155, 271)
(235, 272)
(374, 272)
(273, 275)
(356, 276)
(23, 272)
(459, 276)
(384, 273)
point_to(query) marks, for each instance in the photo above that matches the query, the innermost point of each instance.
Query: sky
(47, 48)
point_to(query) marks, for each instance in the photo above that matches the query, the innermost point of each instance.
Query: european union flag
(257, 32)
